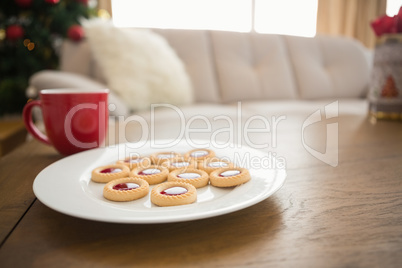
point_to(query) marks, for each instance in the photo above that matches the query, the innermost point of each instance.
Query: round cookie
(199, 154)
(173, 194)
(161, 157)
(135, 161)
(108, 173)
(126, 189)
(196, 177)
(179, 163)
(228, 177)
(153, 174)
(212, 164)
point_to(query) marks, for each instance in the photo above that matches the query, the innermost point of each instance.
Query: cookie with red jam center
(179, 163)
(229, 176)
(199, 154)
(196, 177)
(153, 174)
(173, 194)
(108, 173)
(126, 189)
(135, 161)
(161, 157)
(214, 163)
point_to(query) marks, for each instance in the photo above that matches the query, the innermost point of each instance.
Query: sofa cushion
(193, 48)
(227, 67)
(328, 67)
(139, 65)
(252, 66)
(75, 57)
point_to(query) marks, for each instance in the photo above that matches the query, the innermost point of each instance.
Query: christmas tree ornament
(75, 33)
(14, 32)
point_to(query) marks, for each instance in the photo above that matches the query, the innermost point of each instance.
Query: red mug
(75, 120)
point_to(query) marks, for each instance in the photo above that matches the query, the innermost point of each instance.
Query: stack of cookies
(176, 177)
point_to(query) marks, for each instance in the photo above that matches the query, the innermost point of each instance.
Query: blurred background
(32, 31)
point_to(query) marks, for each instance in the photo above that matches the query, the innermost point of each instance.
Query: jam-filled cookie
(108, 173)
(212, 164)
(196, 177)
(179, 163)
(126, 189)
(228, 177)
(199, 154)
(173, 194)
(152, 174)
(135, 161)
(161, 157)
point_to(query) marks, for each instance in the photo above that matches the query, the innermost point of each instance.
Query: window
(393, 7)
(292, 17)
(183, 14)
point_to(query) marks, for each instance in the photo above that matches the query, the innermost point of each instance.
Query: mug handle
(30, 126)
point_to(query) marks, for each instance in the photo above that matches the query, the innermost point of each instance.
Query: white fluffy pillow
(138, 65)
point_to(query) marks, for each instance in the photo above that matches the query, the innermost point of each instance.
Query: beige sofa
(236, 76)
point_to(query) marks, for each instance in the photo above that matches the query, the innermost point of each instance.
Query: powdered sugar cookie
(196, 177)
(126, 189)
(152, 174)
(199, 154)
(108, 173)
(228, 177)
(135, 161)
(173, 194)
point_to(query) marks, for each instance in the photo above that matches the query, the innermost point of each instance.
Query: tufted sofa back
(229, 66)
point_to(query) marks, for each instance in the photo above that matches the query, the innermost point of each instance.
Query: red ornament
(23, 3)
(53, 2)
(75, 33)
(14, 32)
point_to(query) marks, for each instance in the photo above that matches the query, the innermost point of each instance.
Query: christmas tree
(31, 32)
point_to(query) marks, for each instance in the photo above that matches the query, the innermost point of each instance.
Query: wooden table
(324, 216)
(12, 134)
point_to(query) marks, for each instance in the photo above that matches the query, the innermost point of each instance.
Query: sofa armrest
(49, 79)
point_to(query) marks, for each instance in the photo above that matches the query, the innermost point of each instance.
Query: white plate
(66, 186)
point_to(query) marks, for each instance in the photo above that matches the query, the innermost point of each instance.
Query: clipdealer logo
(240, 125)
(330, 156)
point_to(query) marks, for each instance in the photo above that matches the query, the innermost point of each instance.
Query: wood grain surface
(324, 216)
